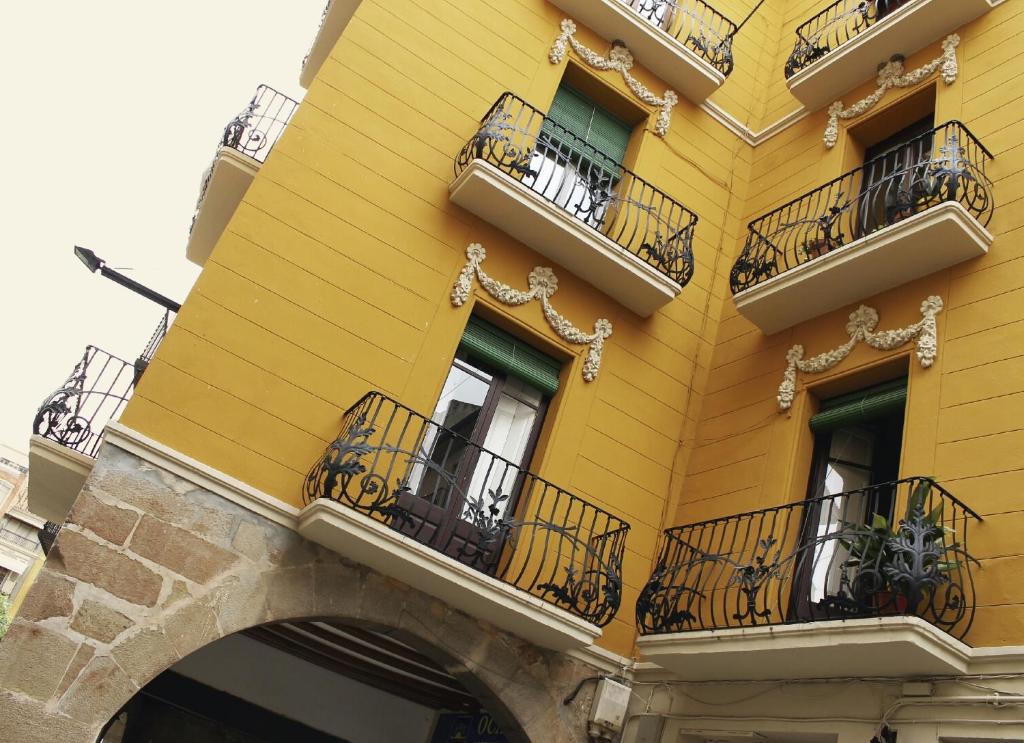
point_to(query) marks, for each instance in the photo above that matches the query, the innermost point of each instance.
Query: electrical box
(609, 709)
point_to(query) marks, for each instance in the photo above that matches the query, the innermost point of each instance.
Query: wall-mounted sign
(453, 727)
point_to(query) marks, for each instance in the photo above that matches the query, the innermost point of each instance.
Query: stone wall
(150, 567)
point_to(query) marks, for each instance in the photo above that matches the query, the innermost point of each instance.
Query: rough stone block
(109, 522)
(97, 694)
(99, 622)
(145, 654)
(183, 505)
(180, 551)
(251, 541)
(83, 656)
(338, 589)
(25, 721)
(78, 556)
(191, 627)
(49, 596)
(239, 602)
(290, 593)
(33, 660)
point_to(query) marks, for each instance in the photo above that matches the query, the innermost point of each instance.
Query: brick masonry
(150, 567)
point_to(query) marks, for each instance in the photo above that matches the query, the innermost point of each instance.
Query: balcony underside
(336, 18)
(898, 647)
(230, 176)
(360, 538)
(905, 31)
(550, 230)
(665, 56)
(58, 474)
(935, 239)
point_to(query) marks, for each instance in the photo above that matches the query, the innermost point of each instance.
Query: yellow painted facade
(334, 276)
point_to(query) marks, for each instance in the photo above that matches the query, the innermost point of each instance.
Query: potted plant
(816, 248)
(898, 565)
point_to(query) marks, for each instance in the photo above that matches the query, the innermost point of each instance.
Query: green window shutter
(494, 346)
(861, 406)
(609, 134)
(573, 112)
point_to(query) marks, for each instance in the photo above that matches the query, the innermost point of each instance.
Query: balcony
(559, 195)
(245, 144)
(422, 504)
(841, 47)
(68, 427)
(684, 42)
(907, 213)
(335, 18)
(826, 587)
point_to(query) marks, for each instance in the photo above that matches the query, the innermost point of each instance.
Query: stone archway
(150, 568)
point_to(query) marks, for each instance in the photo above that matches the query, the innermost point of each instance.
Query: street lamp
(94, 263)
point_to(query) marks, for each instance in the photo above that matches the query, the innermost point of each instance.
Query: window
(857, 444)
(896, 176)
(494, 399)
(577, 163)
(657, 12)
(885, 7)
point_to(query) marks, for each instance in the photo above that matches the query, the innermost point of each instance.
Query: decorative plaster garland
(861, 327)
(543, 283)
(621, 60)
(891, 75)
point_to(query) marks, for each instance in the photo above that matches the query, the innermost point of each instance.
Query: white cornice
(236, 491)
(748, 135)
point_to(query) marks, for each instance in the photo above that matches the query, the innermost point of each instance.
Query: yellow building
(668, 344)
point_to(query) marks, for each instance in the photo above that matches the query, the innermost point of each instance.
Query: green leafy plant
(5, 617)
(882, 548)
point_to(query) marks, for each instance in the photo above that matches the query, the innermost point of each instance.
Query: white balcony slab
(230, 176)
(57, 473)
(937, 238)
(336, 17)
(897, 647)
(550, 230)
(906, 30)
(664, 55)
(356, 536)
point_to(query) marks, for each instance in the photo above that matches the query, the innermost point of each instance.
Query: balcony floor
(360, 538)
(897, 647)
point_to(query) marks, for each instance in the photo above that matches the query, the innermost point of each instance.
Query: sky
(112, 111)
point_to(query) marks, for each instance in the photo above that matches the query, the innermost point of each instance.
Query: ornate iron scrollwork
(57, 418)
(439, 488)
(889, 188)
(572, 174)
(816, 560)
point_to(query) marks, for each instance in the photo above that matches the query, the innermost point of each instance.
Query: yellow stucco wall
(963, 414)
(333, 278)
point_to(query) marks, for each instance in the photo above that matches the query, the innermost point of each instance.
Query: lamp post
(94, 263)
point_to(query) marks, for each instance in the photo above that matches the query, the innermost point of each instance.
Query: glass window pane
(508, 437)
(458, 410)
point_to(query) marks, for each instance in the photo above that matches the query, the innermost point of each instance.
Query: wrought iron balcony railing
(695, 24)
(548, 159)
(254, 132)
(945, 164)
(452, 495)
(831, 28)
(94, 393)
(13, 537)
(835, 557)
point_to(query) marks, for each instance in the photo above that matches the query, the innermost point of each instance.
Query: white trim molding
(206, 477)
(543, 284)
(892, 75)
(861, 327)
(620, 60)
